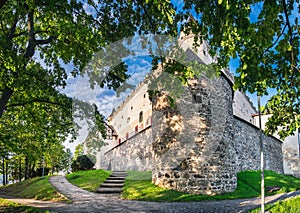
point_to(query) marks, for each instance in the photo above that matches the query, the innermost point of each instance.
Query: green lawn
(37, 188)
(290, 205)
(89, 180)
(9, 207)
(138, 186)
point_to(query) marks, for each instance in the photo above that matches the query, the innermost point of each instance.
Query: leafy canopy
(264, 37)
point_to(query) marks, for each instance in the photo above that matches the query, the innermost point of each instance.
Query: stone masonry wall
(133, 154)
(199, 146)
(247, 147)
(194, 142)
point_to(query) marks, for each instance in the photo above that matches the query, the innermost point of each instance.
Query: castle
(200, 144)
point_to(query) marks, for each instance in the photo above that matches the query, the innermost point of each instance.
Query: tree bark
(5, 96)
(26, 168)
(6, 171)
(3, 169)
(20, 169)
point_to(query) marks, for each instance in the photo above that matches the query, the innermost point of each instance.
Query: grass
(138, 186)
(38, 188)
(89, 180)
(8, 207)
(289, 205)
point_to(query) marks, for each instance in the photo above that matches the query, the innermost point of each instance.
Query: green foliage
(37, 39)
(78, 151)
(290, 205)
(37, 188)
(88, 180)
(264, 37)
(82, 162)
(138, 186)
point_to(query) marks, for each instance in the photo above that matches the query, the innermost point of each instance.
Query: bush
(82, 162)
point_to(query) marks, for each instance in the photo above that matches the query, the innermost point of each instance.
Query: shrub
(82, 162)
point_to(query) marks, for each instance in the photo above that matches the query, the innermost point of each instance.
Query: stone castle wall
(196, 152)
(199, 145)
(133, 154)
(247, 147)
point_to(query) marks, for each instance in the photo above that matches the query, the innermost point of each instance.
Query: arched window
(141, 116)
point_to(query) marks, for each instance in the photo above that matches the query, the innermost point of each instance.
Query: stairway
(114, 183)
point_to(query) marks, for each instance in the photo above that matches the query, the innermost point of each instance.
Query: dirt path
(84, 201)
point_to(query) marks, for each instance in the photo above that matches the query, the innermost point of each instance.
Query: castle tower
(193, 142)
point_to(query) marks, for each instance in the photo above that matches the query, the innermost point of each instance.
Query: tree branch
(276, 40)
(291, 40)
(45, 41)
(36, 101)
(287, 18)
(5, 96)
(95, 20)
(13, 28)
(31, 44)
(148, 16)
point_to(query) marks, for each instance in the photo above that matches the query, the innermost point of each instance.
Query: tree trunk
(6, 171)
(3, 169)
(26, 168)
(5, 96)
(20, 169)
(32, 165)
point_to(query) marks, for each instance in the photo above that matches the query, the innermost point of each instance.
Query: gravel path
(84, 201)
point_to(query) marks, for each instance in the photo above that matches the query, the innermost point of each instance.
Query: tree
(83, 162)
(79, 150)
(37, 38)
(264, 37)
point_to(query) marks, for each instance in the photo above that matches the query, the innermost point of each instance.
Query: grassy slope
(37, 188)
(88, 180)
(8, 206)
(140, 187)
(290, 205)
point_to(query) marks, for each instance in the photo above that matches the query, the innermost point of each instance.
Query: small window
(128, 119)
(144, 95)
(197, 98)
(141, 117)
(132, 108)
(136, 129)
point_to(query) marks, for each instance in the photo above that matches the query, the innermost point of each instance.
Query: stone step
(109, 190)
(115, 178)
(114, 181)
(119, 174)
(111, 185)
